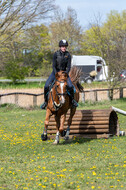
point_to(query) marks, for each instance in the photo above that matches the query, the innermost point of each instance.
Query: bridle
(57, 106)
(57, 93)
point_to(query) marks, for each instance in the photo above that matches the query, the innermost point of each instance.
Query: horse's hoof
(63, 133)
(44, 137)
(55, 142)
(66, 138)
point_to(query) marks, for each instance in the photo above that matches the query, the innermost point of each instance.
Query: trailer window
(99, 61)
(99, 68)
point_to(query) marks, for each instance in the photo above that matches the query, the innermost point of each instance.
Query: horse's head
(61, 86)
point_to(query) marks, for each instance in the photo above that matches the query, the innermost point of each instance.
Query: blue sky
(86, 9)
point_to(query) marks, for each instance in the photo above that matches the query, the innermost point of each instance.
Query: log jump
(90, 124)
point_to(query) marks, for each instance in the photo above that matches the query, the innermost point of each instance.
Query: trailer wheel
(89, 80)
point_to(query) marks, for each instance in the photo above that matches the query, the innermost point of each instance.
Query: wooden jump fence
(91, 95)
(89, 124)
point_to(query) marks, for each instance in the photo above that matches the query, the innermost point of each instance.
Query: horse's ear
(65, 74)
(56, 75)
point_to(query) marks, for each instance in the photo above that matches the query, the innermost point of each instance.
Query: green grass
(10, 85)
(95, 84)
(21, 85)
(5, 85)
(28, 163)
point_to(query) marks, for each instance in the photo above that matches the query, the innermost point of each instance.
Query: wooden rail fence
(86, 95)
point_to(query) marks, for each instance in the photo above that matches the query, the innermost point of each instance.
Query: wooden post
(0, 101)
(16, 99)
(121, 92)
(83, 97)
(34, 100)
(110, 94)
(95, 96)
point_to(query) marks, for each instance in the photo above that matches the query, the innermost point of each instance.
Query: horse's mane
(75, 74)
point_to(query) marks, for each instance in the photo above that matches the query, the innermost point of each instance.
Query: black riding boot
(74, 103)
(43, 106)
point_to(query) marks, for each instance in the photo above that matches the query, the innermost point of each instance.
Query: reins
(56, 106)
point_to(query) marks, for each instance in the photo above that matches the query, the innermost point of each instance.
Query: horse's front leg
(57, 119)
(72, 112)
(44, 134)
(61, 129)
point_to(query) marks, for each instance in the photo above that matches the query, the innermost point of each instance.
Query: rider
(61, 61)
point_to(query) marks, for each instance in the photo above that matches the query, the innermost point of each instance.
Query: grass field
(9, 85)
(28, 163)
(21, 85)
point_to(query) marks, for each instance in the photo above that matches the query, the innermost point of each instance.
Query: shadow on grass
(75, 141)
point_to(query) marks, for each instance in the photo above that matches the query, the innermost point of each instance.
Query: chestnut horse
(60, 102)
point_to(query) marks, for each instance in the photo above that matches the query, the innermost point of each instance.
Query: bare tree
(15, 14)
(66, 26)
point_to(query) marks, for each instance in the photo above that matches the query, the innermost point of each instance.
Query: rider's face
(63, 48)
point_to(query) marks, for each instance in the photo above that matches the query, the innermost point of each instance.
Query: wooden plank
(90, 136)
(53, 127)
(78, 131)
(87, 115)
(92, 110)
(86, 118)
(84, 123)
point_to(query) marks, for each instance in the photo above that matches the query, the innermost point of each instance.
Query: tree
(11, 49)
(37, 50)
(108, 41)
(15, 70)
(66, 26)
(29, 49)
(14, 14)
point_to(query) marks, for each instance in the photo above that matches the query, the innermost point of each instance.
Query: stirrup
(43, 106)
(74, 103)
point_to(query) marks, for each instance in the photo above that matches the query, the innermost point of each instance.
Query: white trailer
(90, 63)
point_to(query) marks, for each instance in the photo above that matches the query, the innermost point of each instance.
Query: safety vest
(62, 60)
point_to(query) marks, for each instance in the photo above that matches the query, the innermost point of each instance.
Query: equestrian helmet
(63, 43)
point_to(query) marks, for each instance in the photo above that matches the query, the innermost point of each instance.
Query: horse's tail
(75, 74)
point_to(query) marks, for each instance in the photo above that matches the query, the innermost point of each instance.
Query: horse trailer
(87, 64)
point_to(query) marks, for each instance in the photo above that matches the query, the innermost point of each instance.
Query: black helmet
(63, 43)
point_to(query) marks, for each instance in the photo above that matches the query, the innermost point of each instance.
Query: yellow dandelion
(92, 187)
(67, 161)
(43, 186)
(93, 173)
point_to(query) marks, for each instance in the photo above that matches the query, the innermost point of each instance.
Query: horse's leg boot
(63, 133)
(44, 137)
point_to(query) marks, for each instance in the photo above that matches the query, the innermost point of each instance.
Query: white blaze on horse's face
(62, 99)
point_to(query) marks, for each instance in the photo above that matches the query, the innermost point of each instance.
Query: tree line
(27, 47)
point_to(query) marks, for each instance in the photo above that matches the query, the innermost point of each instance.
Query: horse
(59, 102)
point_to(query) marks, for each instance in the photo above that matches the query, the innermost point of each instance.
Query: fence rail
(110, 93)
(32, 99)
